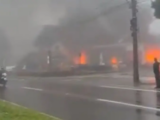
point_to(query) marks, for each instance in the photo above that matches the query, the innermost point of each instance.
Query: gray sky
(22, 20)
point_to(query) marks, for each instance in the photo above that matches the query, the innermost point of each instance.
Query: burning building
(88, 35)
(81, 59)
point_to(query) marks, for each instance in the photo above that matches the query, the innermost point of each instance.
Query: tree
(156, 7)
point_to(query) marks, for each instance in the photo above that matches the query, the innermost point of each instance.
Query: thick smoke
(154, 27)
(89, 23)
(5, 49)
(78, 24)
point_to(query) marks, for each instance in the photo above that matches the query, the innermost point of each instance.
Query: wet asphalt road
(87, 98)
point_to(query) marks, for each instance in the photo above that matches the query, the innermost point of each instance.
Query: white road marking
(22, 79)
(130, 76)
(2, 85)
(29, 88)
(145, 80)
(132, 89)
(110, 101)
(14, 79)
(128, 104)
(71, 79)
(113, 75)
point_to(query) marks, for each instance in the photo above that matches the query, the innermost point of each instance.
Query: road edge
(15, 104)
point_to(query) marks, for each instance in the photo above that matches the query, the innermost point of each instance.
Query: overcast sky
(22, 20)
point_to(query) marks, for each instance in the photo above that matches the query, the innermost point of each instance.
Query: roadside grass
(9, 111)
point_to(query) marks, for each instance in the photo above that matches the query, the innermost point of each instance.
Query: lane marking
(70, 79)
(132, 89)
(17, 79)
(110, 101)
(109, 87)
(128, 104)
(99, 100)
(30, 88)
(3, 86)
(21, 79)
(106, 100)
(130, 76)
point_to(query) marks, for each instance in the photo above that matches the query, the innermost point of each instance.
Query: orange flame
(81, 59)
(114, 60)
(151, 54)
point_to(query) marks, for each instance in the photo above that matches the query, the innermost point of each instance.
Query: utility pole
(134, 30)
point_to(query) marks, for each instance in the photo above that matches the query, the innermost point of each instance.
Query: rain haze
(75, 24)
(79, 60)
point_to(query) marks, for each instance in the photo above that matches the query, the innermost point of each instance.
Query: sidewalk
(145, 77)
(127, 80)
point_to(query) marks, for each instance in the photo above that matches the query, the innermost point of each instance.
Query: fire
(114, 60)
(82, 59)
(151, 54)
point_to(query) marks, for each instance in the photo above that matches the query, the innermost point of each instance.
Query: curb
(15, 104)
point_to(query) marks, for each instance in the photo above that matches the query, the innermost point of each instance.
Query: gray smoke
(5, 48)
(89, 23)
(78, 24)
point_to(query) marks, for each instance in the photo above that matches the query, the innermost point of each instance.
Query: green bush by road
(9, 111)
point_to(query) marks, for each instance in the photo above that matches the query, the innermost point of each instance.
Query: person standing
(156, 70)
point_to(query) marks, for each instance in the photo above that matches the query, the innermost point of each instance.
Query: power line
(106, 12)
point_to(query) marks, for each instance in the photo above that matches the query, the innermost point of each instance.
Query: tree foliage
(156, 7)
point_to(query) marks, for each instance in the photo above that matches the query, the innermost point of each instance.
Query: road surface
(99, 97)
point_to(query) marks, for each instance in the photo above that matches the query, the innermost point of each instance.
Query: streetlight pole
(134, 30)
